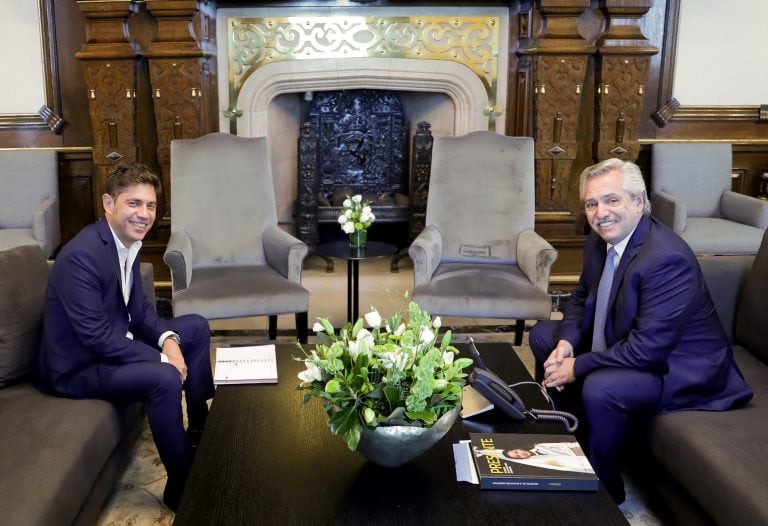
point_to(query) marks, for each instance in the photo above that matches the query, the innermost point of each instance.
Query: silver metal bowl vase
(393, 446)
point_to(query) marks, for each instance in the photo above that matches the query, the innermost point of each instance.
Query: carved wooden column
(182, 70)
(551, 73)
(624, 56)
(110, 64)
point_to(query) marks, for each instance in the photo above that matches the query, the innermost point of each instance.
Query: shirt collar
(121, 249)
(621, 246)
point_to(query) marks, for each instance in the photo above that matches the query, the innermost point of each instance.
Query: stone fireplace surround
(442, 92)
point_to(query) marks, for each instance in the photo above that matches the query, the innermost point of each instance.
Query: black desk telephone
(503, 395)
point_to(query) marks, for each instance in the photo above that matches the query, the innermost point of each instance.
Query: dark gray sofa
(712, 467)
(59, 458)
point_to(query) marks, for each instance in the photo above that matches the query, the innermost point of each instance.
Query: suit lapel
(630, 253)
(110, 253)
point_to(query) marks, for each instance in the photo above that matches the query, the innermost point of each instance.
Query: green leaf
(346, 424)
(358, 325)
(428, 417)
(327, 326)
(462, 363)
(446, 340)
(333, 386)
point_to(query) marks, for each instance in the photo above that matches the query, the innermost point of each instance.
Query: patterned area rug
(137, 500)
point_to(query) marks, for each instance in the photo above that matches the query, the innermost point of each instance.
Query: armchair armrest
(178, 257)
(284, 252)
(669, 210)
(744, 209)
(426, 251)
(45, 225)
(535, 257)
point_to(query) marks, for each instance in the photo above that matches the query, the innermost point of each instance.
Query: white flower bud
(317, 327)
(347, 203)
(357, 198)
(373, 319)
(342, 219)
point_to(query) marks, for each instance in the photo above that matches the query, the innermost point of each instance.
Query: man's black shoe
(174, 489)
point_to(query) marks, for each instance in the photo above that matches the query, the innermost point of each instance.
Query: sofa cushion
(21, 310)
(717, 456)
(753, 307)
(53, 450)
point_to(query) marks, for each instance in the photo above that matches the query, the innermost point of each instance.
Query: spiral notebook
(245, 365)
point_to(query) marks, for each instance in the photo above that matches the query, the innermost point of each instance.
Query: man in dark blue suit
(103, 340)
(662, 347)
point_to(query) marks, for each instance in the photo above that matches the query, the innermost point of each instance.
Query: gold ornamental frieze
(472, 41)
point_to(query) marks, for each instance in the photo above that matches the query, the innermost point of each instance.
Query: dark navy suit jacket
(86, 319)
(661, 318)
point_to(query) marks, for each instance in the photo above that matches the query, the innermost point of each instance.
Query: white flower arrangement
(356, 214)
(395, 372)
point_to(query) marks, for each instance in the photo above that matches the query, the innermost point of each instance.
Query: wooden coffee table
(265, 458)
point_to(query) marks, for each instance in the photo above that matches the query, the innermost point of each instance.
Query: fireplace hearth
(355, 142)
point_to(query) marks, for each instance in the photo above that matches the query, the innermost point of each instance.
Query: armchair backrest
(696, 173)
(27, 178)
(481, 195)
(222, 197)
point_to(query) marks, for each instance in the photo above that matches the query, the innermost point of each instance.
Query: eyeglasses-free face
(611, 211)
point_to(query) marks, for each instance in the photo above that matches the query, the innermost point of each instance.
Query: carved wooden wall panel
(109, 61)
(182, 68)
(558, 91)
(551, 74)
(177, 91)
(621, 82)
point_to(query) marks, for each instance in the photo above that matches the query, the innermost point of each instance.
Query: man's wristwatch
(173, 337)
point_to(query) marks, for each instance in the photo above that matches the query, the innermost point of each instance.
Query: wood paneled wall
(588, 79)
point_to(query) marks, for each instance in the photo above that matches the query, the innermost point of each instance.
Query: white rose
(357, 198)
(365, 338)
(367, 209)
(448, 357)
(347, 203)
(311, 374)
(342, 219)
(317, 327)
(373, 218)
(348, 213)
(426, 335)
(373, 319)
(348, 227)
(354, 350)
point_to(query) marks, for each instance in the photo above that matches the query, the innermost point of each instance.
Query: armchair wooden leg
(302, 329)
(273, 327)
(519, 330)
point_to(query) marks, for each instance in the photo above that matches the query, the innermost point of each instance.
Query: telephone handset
(497, 392)
(503, 396)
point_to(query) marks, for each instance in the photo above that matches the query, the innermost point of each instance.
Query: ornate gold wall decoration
(471, 41)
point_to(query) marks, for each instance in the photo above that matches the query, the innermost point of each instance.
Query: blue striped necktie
(601, 306)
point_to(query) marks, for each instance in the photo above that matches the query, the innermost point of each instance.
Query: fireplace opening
(355, 142)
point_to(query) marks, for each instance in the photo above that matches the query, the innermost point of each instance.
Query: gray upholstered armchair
(29, 212)
(691, 193)
(479, 255)
(227, 255)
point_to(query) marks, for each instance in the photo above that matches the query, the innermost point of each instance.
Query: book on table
(531, 462)
(245, 365)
